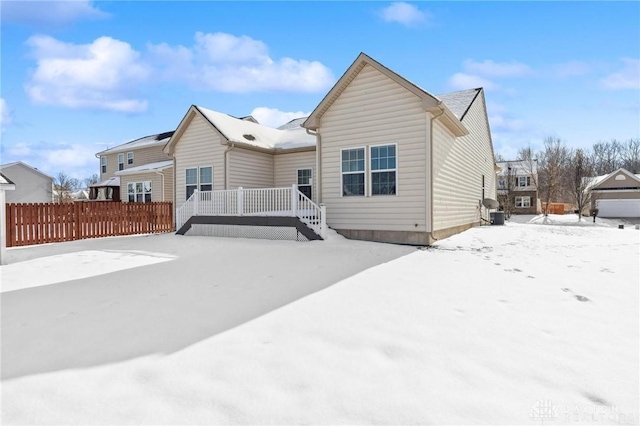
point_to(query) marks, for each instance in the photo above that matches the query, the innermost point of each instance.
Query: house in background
(398, 164)
(616, 194)
(31, 185)
(136, 171)
(517, 187)
(5, 185)
(392, 162)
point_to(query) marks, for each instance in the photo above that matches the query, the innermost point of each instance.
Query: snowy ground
(515, 324)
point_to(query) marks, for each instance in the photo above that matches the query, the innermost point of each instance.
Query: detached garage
(617, 194)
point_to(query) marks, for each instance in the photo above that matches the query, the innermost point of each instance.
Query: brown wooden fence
(50, 222)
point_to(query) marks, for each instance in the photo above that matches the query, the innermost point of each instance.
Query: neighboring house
(398, 164)
(390, 161)
(616, 194)
(517, 187)
(5, 185)
(136, 171)
(31, 185)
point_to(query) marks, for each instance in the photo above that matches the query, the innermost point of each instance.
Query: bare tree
(552, 167)
(507, 181)
(90, 180)
(630, 155)
(63, 187)
(578, 179)
(529, 163)
(606, 156)
(498, 158)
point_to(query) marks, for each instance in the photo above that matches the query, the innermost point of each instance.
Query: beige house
(398, 164)
(616, 194)
(390, 161)
(31, 185)
(136, 171)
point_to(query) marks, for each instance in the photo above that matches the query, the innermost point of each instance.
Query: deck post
(323, 221)
(196, 197)
(240, 201)
(294, 199)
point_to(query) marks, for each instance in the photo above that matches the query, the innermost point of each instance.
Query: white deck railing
(255, 202)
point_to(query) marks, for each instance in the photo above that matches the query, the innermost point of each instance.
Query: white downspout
(318, 175)
(226, 165)
(433, 117)
(162, 178)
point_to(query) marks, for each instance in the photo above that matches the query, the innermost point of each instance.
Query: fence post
(240, 200)
(196, 197)
(323, 221)
(294, 199)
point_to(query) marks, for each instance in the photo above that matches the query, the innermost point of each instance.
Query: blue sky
(80, 76)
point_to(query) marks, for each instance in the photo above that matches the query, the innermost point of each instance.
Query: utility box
(496, 218)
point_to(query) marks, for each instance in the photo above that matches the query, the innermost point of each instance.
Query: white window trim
(526, 178)
(134, 184)
(366, 167)
(310, 176)
(130, 152)
(209, 183)
(121, 161)
(371, 171)
(198, 183)
(103, 164)
(522, 198)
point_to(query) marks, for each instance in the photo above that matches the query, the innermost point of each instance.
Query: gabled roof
(599, 180)
(23, 164)
(145, 168)
(145, 142)
(293, 124)
(460, 102)
(244, 132)
(429, 102)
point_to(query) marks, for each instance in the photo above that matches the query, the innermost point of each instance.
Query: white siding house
(397, 164)
(31, 185)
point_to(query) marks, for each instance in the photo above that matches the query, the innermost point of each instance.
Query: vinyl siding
(156, 185)
(375, 110)
(250, 169)
(30, 186)
(287, 165)
(458, 166)
(199, 146)
(141, 157)
(168, 184)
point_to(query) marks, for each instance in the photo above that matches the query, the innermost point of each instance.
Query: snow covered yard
(515, 324)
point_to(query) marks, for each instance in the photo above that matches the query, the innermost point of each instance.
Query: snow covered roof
(250, 133)
(597, 180)
(151, 140)
(160, 165)
(293, 124)
(114, 181)
(518, 167)
(459, 102)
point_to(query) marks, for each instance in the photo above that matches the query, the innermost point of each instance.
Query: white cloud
(627, 78)
(404, 13)
(50, 12)
(226, 63)
(273, 117)
(489, 68)
(76, 160)
(98, 75)
(462, 81)
(5, 114)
